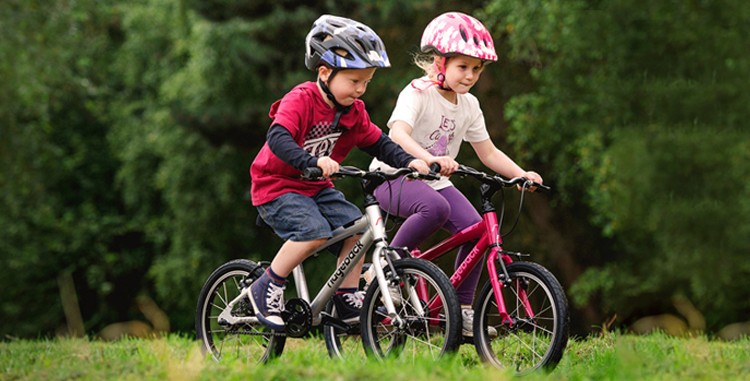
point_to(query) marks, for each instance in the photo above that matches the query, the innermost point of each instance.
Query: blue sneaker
(267, 298)
(348, 306)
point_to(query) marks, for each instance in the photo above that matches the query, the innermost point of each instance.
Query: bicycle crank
(298, 317)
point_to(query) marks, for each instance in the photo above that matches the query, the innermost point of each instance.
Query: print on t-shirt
(321, 138)
(441, 137)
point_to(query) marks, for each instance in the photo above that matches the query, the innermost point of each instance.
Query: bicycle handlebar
(314, 173)
(481, 176)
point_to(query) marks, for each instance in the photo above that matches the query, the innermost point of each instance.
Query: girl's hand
(533, 176)
(447, 164)
(328, 165)
(420, 166)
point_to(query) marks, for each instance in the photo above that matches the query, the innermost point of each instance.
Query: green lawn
(610, 357)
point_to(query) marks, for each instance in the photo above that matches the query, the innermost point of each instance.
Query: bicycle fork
(503, 280)
(372, 210)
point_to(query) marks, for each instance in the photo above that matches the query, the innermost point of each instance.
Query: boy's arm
(282, 144)
(388, 151)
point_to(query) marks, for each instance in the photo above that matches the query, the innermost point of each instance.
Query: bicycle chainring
(298, 317)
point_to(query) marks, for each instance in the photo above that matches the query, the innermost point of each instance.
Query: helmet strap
(440, 69)
(324, 85)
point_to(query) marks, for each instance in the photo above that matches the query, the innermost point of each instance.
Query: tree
(59, 212)
(637, 113)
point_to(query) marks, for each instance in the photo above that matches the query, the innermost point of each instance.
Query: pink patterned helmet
(458, 33)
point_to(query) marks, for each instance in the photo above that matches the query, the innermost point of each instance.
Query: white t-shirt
(438, 125)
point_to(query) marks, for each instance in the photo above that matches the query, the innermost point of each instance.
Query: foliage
(59, 212)
(127, 136)
(642, 116)
(127, 130)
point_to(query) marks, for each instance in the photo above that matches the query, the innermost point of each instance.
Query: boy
(316, 125)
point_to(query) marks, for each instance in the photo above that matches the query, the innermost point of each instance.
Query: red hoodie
(309, 119)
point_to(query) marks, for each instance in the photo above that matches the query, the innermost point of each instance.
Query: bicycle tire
(433, 335)
(341, 344)
(248, 341)
(529, 343)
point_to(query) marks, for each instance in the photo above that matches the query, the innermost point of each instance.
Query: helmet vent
(361, 45)
(463, 33)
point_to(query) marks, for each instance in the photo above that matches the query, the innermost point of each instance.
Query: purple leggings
(427, 210)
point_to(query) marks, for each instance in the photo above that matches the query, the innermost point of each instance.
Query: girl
(432, 116)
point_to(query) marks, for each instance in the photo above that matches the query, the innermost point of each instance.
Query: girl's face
(462, 72)
(347, 85)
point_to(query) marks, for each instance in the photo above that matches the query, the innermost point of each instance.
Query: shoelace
(354, 299)
(274, 298)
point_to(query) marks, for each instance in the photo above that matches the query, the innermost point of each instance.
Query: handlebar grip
(435, 168)
(433, 176)
(543, 187)
(312, 173)
(539, 187)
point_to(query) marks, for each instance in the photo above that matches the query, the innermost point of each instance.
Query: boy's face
(462, 72)
(348, 84)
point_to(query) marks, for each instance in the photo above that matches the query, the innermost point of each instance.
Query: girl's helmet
(343, 43)
(458, 33)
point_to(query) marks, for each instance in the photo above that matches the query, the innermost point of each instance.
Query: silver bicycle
(394, 318)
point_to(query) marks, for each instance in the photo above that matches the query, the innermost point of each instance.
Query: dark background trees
(127, 129)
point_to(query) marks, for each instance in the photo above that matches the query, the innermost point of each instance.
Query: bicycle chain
(255, 333)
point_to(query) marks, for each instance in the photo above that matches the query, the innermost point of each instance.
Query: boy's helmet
(458, 33)
(343, 43)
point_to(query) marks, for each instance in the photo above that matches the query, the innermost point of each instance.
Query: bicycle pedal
(338, 323)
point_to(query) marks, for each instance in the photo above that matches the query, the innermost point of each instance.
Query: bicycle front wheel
(536, 331)
(221, 338)
(430, 333)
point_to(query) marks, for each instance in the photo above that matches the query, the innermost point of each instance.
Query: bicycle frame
(487, 232)
(476, 231)
(372, 228)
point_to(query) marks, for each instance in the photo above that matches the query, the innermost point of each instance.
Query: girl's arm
(499, 162)
(387, 151)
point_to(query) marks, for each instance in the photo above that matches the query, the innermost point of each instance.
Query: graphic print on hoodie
(321, 139)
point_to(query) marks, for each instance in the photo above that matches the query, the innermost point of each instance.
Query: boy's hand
(420, 166)
(328, 165)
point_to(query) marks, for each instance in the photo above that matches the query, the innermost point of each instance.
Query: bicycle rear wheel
(535, 337)
(431, 334)
(249, 340)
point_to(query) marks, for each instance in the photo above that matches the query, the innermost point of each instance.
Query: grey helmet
(342, 43)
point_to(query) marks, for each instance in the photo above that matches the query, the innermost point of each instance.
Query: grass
(609, 357)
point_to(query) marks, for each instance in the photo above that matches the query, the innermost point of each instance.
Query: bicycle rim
(429, 335)
(529, 341)
(252, 342)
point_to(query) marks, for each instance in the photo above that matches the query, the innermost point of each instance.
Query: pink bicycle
(522, 300)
